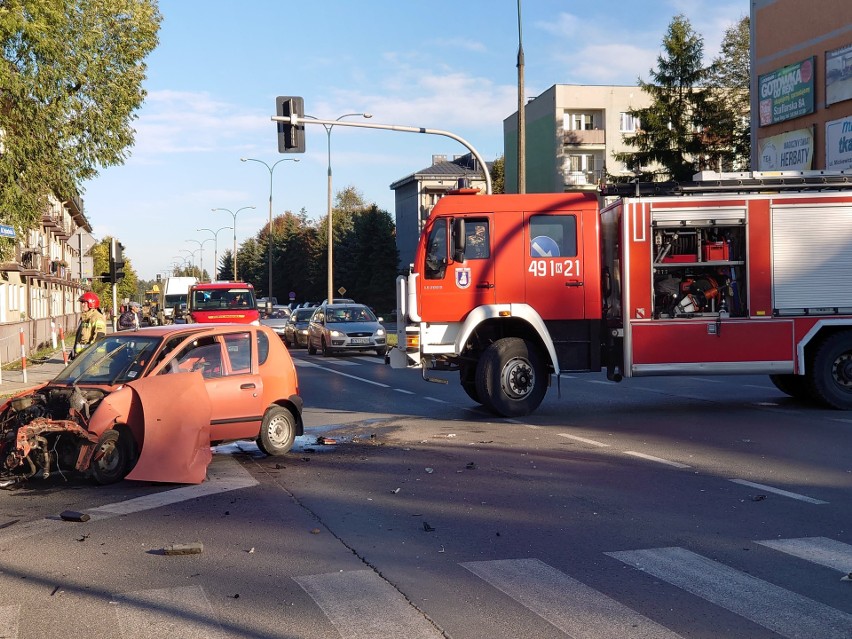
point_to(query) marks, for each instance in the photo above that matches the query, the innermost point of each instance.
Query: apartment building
(418, 192)
(572, 132)
(801, 69)
(41, 281)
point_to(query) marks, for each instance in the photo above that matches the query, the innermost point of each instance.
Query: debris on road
(430, 470)
(193, 548)
(9, 523)
(395, 491)
(315, 531)
(758, 498)
(427, 527)
(326, 441)
(73, 515)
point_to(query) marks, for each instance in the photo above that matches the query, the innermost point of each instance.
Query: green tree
(498, 175)
(727, 137)
(71, 74)
(127, 287)
(670, 134)
(374, 259)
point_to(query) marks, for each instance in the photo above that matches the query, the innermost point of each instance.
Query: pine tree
(670, 134)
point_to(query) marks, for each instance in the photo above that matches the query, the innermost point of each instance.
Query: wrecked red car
(149, 404)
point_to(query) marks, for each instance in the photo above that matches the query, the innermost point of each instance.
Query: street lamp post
(328, 128)
(271, 169)
(234, 215)
(215, 247)
(191, 258)
(201, 260)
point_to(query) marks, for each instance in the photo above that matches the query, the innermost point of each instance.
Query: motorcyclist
(92, 323)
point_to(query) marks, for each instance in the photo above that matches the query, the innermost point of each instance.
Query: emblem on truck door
(463, 277)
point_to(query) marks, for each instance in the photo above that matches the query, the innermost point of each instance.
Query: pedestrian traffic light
(116, 262)
(291, 137)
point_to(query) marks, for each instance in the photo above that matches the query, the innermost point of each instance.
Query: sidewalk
(39, 372)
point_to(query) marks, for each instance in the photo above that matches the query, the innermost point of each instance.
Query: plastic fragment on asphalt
(395, 491)
(327, 441)
(251, 550)
(430, 470)
(427, 527)
(193, 548)
(73, 515)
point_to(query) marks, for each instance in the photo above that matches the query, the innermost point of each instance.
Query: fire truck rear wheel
(831, 371)
(511, 379)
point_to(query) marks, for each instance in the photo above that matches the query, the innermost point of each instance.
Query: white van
(174, 293)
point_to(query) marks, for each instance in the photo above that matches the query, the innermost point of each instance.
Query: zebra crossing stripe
(818, 550)
(573, 607)
(360, 603)
(177, 613)
(779, 610)
(9, 616)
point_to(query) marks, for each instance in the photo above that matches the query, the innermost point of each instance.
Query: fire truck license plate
(359, 340)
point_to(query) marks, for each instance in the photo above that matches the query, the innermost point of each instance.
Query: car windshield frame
(349, 314)
(117, 358)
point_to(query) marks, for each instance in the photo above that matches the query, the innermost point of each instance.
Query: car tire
(312, 350)
(381, 351)
(326, 350)
(277, 432)
(111, 460)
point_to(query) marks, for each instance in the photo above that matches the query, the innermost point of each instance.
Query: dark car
(149, 404)
(296, 328)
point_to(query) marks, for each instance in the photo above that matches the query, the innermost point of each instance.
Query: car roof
(175, 329)
(218, 285)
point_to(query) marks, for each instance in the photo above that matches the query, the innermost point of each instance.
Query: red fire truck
(742, 273)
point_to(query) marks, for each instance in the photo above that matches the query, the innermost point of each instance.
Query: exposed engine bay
(46, 431)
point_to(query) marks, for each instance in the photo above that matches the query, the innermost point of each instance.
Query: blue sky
(213, 79)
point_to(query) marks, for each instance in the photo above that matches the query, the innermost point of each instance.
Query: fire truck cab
(738, 274)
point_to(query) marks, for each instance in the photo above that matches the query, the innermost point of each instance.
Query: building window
(578, 122)
(629, 123)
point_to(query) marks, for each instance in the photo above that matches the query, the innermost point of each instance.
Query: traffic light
(116, 262)
(291, 137)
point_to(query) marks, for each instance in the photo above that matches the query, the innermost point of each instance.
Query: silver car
(342, 327)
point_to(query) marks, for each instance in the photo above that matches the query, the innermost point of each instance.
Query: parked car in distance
(296, 328)
(277, 319)
(148, 405)
(340, 327)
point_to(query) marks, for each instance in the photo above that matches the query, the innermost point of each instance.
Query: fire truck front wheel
(511, 378)
(831, 371)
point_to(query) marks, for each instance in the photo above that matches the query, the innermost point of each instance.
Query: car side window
(262, 347)
(436, 252)
(477, 240)
(238, 348)
(203, 355)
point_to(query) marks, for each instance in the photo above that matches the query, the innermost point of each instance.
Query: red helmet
(90, 300)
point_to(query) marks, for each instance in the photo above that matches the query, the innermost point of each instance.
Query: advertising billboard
(786, 93)
(791, 151)
(838, 75)
(838, 144)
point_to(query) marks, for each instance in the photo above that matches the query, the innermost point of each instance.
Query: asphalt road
(665, 507)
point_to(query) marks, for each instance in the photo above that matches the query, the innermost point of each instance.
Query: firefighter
(477, 241)
(92, 323)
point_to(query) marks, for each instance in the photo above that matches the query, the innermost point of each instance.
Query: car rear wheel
(277, 432)
(111, 460)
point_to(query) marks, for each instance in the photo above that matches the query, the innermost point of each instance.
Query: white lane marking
(223, 476)
(341, 362)
(779, 610)
(659, 460)
(778, 491)
(600, 381)
(576, 609)
(178, 613)
(301, 362)
(435, 399)
(405, 392)
(584, 440)
(9, 619)
(355, 377)
(818, 550)
(841, 419)
(361, 604)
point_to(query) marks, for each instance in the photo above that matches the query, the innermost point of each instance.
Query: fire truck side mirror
(458, 240)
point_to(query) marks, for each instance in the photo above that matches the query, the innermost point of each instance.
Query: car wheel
(111, 460)
(326, 350)
(312, 350)
(382, 351)
(277, 432)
